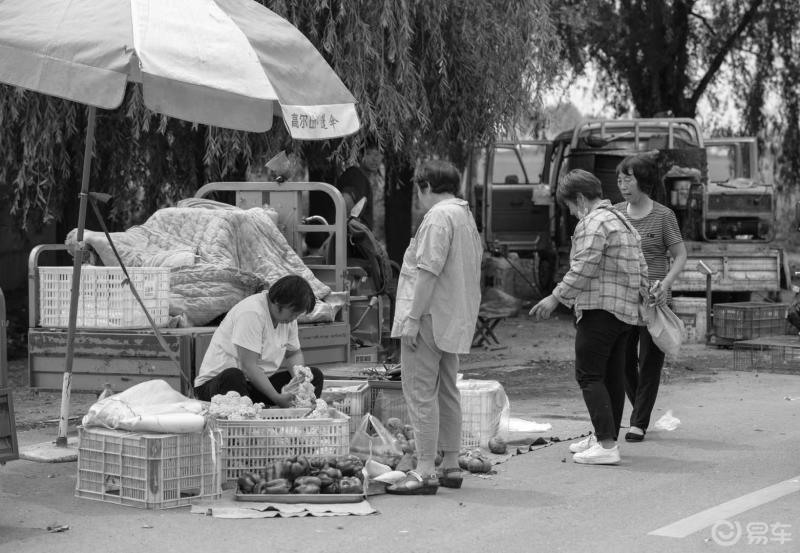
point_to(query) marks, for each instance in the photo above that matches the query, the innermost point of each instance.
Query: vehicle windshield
(729, 161)
(533, 157)
(507, 167)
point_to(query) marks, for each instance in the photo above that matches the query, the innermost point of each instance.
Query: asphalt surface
(735, 453)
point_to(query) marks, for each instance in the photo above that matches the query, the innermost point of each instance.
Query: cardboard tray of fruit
(317, 498)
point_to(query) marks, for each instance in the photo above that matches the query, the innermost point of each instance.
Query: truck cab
(726, 213)
(739, 205)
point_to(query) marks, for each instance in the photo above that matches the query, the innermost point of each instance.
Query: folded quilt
(218, 256)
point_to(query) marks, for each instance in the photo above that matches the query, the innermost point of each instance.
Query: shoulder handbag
(664, 326)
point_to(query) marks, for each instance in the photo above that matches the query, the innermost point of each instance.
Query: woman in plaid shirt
(606, 278)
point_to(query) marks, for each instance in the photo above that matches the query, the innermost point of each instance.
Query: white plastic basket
(351, 397)
(250, 445)
(483, 404)
(105, 301)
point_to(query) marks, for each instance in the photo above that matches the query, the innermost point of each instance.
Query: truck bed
(736, 268)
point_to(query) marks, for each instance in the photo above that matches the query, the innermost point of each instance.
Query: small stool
(484, 332)
(490, 314)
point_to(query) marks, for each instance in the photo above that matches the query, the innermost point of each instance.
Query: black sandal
(448, 481)
(634, 437)
(414, 484)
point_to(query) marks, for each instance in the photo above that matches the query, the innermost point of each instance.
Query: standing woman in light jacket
(607, 276)
(438, 296)
(637, 178)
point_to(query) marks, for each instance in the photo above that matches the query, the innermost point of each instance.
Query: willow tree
(431, 78)
(666, 56)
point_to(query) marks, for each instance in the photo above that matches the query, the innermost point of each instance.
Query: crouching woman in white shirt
(253, 350)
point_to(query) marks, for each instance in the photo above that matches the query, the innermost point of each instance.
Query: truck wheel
(545, 271)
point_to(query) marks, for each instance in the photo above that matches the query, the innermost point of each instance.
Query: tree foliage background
(429, 77)
(662, 56)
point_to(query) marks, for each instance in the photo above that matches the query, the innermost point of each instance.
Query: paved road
(738, 436)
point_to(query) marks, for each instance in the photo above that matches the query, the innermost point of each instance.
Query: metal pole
(3, 343)
(703, 268)
(66, 384)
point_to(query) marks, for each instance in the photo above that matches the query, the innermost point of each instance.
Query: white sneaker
(598, 455)
(584, 444)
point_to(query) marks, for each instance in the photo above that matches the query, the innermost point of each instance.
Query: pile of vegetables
(234, 407)
(403, 433)
(474, 461)
(300, 385)
(302, 475)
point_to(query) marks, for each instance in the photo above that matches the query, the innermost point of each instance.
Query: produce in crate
(320, 410)
(233, 406)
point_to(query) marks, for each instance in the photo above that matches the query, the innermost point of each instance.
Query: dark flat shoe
(631, 437)
(451, 478)
(414, 484)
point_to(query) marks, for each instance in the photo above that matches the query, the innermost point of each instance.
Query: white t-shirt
(248, 324)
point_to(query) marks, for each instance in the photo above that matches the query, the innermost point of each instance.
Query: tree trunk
(399, 192)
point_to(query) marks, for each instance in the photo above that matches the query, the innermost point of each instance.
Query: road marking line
(729, 509)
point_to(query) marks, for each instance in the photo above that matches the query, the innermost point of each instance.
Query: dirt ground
(534, 362)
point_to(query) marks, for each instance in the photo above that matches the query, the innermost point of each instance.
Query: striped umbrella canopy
(227, 63)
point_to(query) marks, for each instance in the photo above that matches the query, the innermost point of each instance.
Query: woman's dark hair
(294, 292)
(643, 167)
(441, 176)
(577, 182)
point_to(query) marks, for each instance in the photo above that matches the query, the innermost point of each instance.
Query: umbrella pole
(66, 384)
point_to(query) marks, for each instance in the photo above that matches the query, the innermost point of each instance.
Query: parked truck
(725, 211)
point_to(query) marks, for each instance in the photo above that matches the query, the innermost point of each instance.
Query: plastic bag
(666, 329)
(373, 441)
(151, 406)
(667, 422)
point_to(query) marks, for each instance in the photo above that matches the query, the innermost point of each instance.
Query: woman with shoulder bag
(661, 238)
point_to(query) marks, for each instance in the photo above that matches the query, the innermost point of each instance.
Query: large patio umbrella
(227, 63)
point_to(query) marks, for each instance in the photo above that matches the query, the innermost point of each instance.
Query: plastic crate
(748, 320)
(482, 403)
(149, 471)
(777, 353)
(249, 445)
(387, 401)
(106, 300)
(351, 397)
